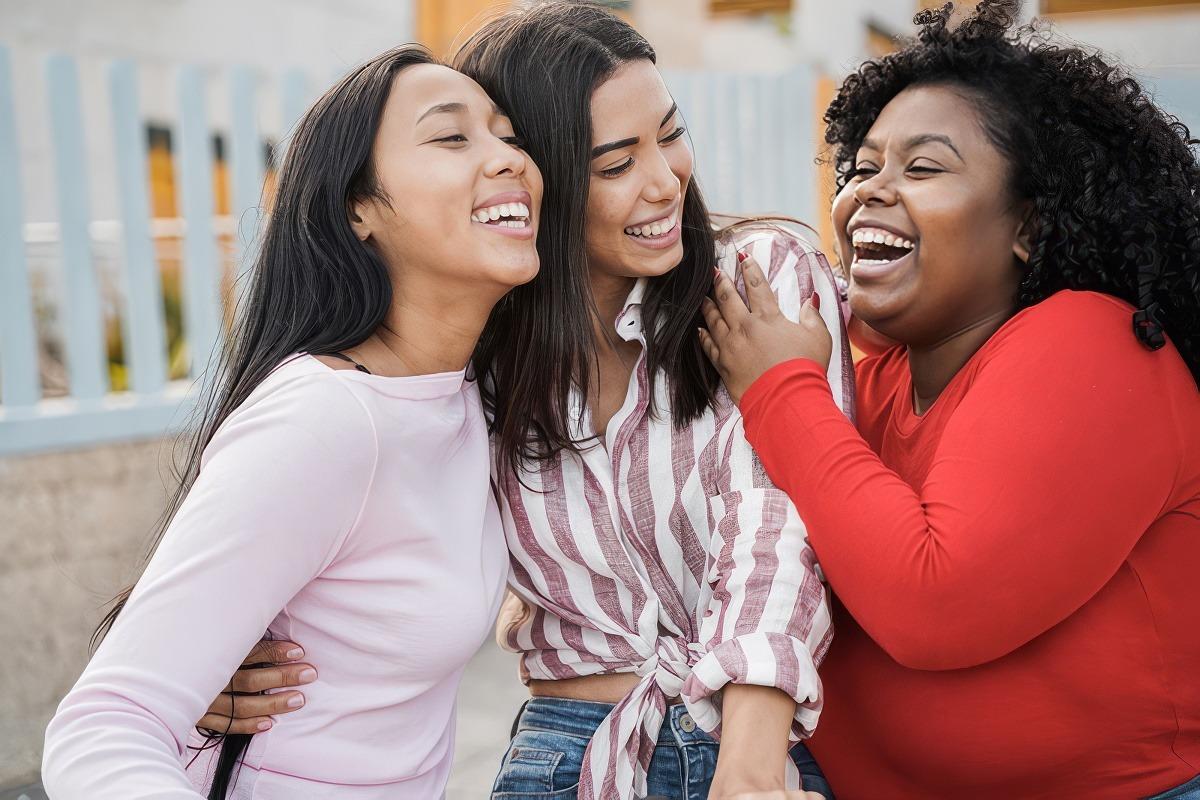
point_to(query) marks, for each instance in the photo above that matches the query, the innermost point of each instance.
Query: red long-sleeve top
(1017, 570)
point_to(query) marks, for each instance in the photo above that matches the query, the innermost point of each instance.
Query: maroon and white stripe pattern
(669, 554)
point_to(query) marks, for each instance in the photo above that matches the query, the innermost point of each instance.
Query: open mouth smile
(506, 213)
(657, 233)
(878, 251)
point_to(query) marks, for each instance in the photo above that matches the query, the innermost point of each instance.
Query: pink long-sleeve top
(347, 511)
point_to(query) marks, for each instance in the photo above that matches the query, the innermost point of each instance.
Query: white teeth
(518, 211)
(869, 236)
(657, 228)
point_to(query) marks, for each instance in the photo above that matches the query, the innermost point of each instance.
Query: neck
(934, 366)
(428, 331)
(609, 293)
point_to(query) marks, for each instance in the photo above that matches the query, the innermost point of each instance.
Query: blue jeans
(1186, 791)
(545, 756)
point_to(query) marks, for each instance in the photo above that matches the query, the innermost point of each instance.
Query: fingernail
(295, 653)
(295, 701)
(816, 301)
(265, 725)
(742, 256)
(308, 675)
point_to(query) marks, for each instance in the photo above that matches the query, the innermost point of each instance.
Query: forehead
(920, 110)
(418, 87)
(632, 97)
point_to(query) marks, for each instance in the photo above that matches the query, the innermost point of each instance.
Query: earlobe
(1023, 242)
(358, 221)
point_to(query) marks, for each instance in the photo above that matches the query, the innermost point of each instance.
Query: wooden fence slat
(294, 94)
(246, 163)
(800, 159)
(19, 381)
(83, 327)
(201, 267)
(145, 341)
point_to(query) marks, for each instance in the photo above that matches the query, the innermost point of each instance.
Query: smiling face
(459, 197)
(928, 225)
(640, 171)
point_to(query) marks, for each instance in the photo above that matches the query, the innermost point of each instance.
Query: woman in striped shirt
(670, 587)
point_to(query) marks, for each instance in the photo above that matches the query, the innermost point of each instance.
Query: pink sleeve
(282, 484)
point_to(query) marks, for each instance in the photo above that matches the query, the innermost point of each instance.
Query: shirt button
(687, 723)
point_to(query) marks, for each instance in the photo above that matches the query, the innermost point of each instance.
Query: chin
(656, 265)
(880, 310)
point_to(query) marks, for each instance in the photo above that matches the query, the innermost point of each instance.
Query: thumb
(810, 311)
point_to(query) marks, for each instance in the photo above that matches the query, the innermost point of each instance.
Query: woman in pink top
(345, 443)
(672, 593)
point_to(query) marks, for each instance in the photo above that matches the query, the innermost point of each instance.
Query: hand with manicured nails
(746, 338)
(242, 706)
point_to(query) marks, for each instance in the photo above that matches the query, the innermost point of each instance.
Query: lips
(878, 249)
(659, 232)
(508, 213)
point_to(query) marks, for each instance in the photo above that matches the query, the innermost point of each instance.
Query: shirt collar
(629, 321)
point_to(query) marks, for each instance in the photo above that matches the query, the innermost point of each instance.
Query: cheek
(608, 209)
(681, 162)
(844, 206)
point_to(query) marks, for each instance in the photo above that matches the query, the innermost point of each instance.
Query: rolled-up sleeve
(768, 621)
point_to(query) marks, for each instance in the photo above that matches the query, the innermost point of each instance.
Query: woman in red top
(1013, 530)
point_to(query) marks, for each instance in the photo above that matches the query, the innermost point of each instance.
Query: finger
(264, 679)
(219, 724)
(733, 310)
(810, 311)
(758, 291)
(713, 319)
(274, 652)
(709, 347)
(249, 706)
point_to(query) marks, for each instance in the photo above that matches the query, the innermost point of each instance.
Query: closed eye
(860, 172)
(673, 135)
(456, 138)
(619, 169)
(514, 141)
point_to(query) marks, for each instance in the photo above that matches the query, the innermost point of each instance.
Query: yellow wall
(443, 24)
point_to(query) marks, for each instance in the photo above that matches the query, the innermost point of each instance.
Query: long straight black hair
(542, 65)
(315, 288)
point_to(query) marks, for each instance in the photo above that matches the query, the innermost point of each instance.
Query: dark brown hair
(542, 65)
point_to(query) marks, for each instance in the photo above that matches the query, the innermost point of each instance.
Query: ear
(1023, 240)
(362, 213)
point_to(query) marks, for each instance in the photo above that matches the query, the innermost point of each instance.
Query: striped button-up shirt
(668, 553)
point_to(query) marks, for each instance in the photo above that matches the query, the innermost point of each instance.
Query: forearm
(754, 736)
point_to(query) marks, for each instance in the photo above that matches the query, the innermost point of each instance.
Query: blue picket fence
(90, 412)
(769, 116)
(755, 152)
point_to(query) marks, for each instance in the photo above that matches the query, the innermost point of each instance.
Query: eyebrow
(617, 145)
(454, 108)
(918, 140)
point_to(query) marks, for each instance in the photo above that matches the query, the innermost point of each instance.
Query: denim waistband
(582, 718)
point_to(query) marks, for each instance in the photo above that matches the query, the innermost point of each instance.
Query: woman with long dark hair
(668, 589)
(344, 443)
(1013, 530)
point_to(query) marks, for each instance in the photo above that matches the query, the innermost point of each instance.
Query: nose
(504, 160)
(661, 183)
(876, 190)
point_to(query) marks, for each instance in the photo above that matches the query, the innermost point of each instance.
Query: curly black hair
(1112, 178)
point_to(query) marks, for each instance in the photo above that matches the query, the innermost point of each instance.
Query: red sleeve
(1062, 452)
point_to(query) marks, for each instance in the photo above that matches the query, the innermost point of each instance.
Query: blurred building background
(136, 139)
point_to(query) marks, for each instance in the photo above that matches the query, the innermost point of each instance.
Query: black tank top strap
(357, 365)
